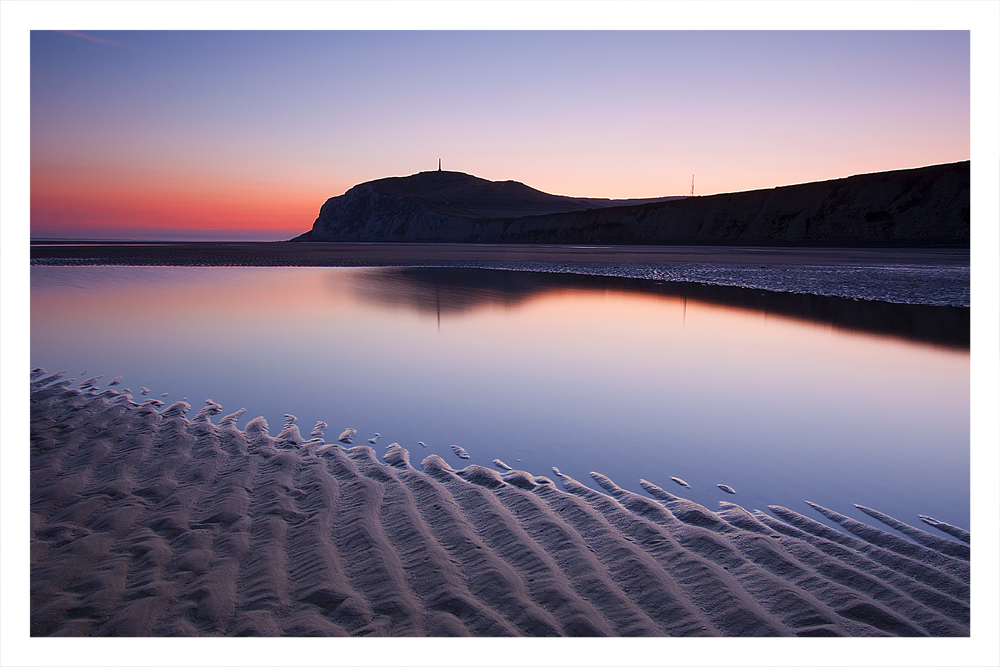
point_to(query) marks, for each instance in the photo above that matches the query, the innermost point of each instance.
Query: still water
(783, 398)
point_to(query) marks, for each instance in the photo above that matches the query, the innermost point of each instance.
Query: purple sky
(245, 134)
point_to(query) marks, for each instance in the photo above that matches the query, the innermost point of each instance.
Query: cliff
(923, 207)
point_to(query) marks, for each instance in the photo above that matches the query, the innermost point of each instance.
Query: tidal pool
(783, 398)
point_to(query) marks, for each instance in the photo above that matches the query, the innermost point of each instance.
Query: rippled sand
(147, 523)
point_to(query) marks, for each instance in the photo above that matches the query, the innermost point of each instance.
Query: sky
(186, 134)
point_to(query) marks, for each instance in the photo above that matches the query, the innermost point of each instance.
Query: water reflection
(454, 290)
(630, 379)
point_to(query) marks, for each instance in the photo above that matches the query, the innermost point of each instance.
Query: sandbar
(284, 253)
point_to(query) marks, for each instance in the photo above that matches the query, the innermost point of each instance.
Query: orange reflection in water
(596, 377)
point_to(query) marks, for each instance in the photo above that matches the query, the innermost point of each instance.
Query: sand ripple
(145, 522)
(954, 531)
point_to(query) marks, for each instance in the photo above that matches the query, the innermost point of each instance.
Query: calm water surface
(633, 379)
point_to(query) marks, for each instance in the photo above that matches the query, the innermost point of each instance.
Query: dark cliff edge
(923, 207)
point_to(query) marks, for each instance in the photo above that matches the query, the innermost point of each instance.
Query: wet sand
(146, 521)
(400, 254)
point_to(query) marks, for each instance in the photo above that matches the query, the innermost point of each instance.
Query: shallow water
(783, 399)
(944, 284)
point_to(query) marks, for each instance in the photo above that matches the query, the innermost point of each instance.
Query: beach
(148, 521)
(469, 344)
(284, 253)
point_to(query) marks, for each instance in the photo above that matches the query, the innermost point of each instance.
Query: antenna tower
(692, 185)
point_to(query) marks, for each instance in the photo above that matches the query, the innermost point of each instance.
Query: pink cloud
(101, 40)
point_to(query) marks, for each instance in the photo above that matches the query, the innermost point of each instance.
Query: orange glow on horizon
(116, 198)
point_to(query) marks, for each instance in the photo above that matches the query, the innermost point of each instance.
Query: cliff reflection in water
(454, 290)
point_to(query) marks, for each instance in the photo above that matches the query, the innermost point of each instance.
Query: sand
(284, 253)
(146, 521)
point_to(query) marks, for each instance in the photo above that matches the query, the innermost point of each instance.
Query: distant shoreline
(925, 207)
(286, 253)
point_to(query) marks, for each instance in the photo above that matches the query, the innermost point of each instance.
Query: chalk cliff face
(928, 206)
